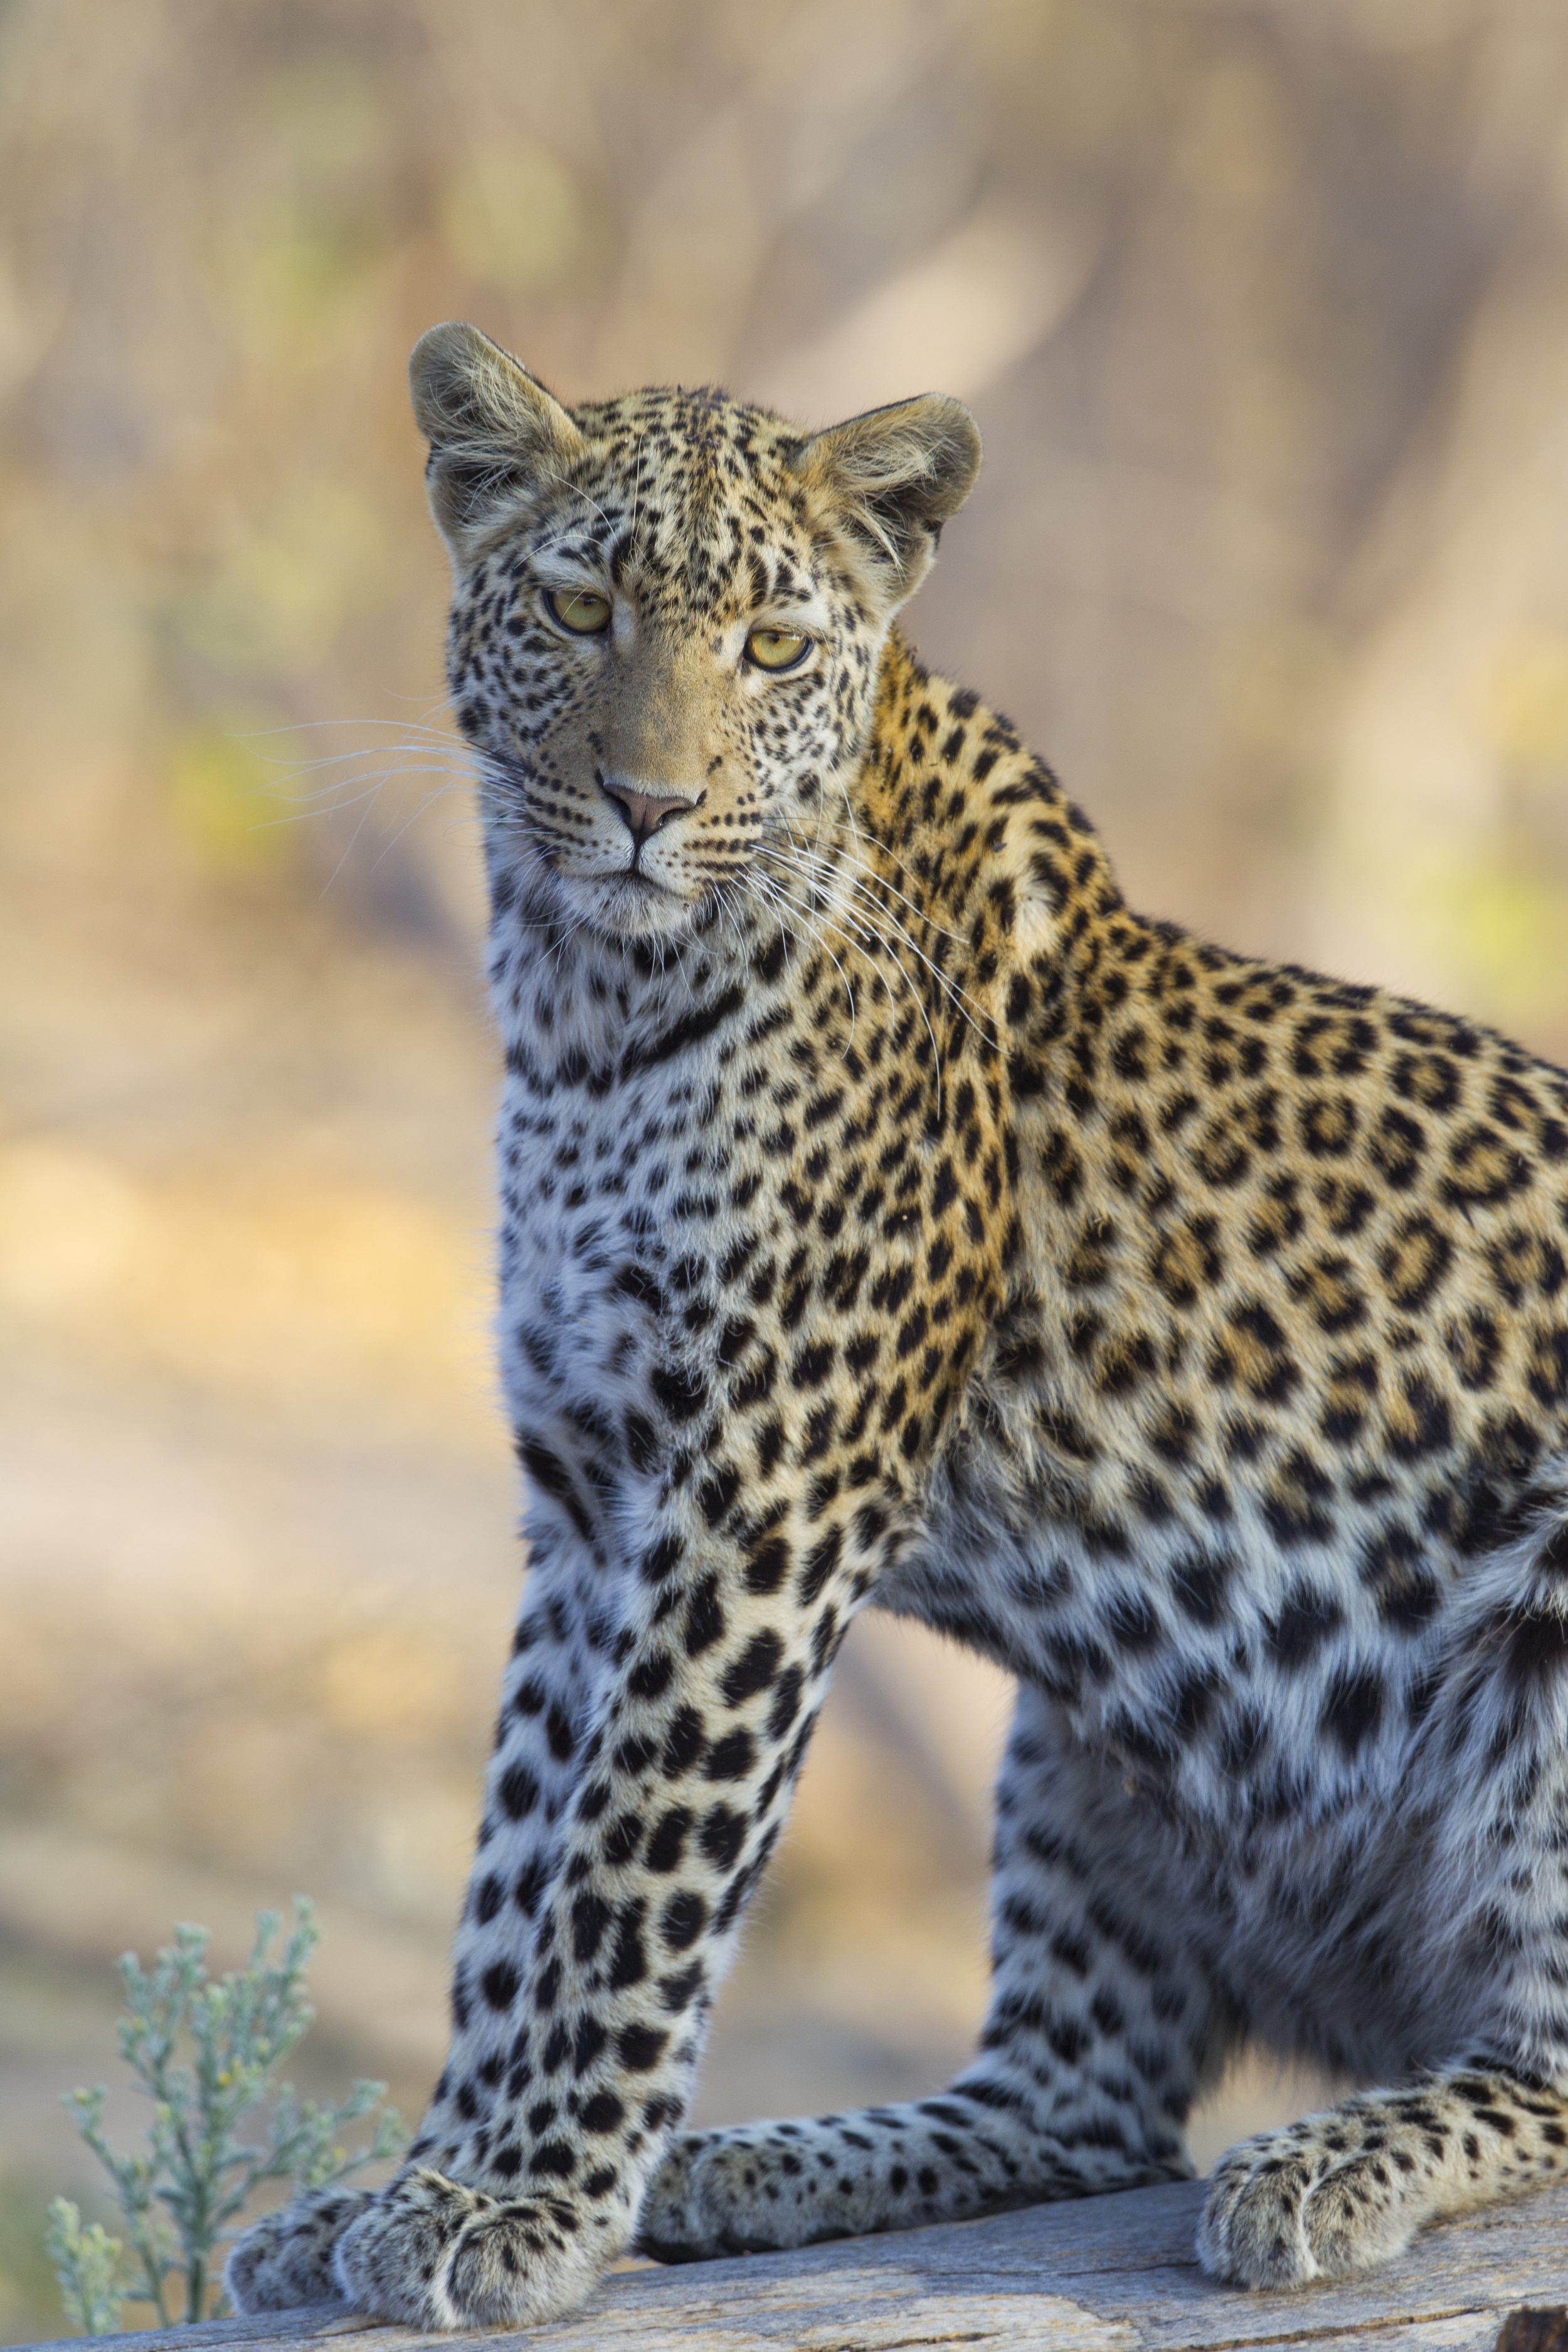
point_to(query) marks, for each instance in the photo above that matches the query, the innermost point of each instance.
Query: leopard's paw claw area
(431, 2253)
(1252, 2231)
(1353, 2221)
(285, 2261)
(1299, 2205)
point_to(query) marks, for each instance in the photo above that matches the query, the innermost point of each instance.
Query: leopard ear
(895, 475)
(493, 431)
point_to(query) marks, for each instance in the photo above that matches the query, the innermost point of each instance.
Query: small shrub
(207, 2054)
(87, 2263)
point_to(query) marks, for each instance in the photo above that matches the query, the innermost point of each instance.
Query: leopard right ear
(494, 432)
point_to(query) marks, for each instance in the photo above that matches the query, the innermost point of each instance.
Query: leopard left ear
(895, 475)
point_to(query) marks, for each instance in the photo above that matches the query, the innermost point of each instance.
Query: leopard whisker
(771, 888)
(848, 922)
(956, 996)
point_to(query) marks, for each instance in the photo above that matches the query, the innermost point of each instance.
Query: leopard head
(668, 614)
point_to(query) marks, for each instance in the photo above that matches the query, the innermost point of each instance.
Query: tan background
(1264, 312)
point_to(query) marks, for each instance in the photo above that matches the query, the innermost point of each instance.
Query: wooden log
(1103, 2274)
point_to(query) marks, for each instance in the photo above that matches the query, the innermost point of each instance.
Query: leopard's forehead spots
(695, 495)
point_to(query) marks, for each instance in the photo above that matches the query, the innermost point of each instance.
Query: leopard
(891, 1216)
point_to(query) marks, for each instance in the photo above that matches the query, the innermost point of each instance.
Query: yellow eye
(776, 648)
(581, 609)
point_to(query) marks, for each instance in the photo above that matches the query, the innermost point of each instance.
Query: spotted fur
(891, 1213)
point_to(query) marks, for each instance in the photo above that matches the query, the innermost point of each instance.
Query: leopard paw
(1297, 2205)
(434, 2254)
(690, 2213)
(287, 2260)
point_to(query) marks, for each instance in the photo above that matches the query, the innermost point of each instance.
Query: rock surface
(1110, 2274)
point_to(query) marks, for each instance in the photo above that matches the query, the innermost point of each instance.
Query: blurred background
(1264, 312)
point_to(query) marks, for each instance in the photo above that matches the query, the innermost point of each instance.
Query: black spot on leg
(754, 1669)
(651, 1678)
(589, 1917)
(704, 1619)
(518, 1791)
(717, 1492)
(768, 1564)
(499, 1984)
(629, 1962)
(682, 1920)
(732, 1757)
(529, 1884)
(678, 1992)
(1199, 1583)
(683, 1745)
(786, 1702)
(721, 1835)
(667, 1842)
(588, 2042)
(641, 2047)
(682, 1392)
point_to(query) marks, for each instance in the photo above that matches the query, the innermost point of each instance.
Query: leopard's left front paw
(434, 2254)
(1303, 2204)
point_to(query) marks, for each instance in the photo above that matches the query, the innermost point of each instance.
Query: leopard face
(669, 614)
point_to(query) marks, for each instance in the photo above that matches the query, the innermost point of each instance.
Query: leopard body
(891, 1215)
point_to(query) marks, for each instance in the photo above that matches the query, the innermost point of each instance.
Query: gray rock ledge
(1105, 2274)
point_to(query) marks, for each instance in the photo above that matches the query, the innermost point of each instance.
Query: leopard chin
(635, 906)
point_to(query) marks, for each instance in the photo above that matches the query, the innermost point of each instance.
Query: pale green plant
(207, 2054)
(88, 2264)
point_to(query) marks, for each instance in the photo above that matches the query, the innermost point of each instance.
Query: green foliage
(87, 2265)
(207, 2054)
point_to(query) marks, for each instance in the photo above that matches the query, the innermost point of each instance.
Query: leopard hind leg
(285, 2261)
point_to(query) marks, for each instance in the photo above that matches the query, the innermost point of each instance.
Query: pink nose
(645, 812)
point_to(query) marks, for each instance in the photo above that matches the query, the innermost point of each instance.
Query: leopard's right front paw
(431, 2253)
(287, 2260)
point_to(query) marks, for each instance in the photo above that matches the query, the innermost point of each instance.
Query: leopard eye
(581, 609)
(777, 649)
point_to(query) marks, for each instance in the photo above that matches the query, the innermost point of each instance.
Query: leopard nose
(644, 812)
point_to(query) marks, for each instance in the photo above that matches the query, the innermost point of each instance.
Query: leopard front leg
(582, 1998)
(1102, 2030)
(1345, 2190)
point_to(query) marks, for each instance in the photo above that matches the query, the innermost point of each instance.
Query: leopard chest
(740, 1233)
(625, 1178)
(583, 1245)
